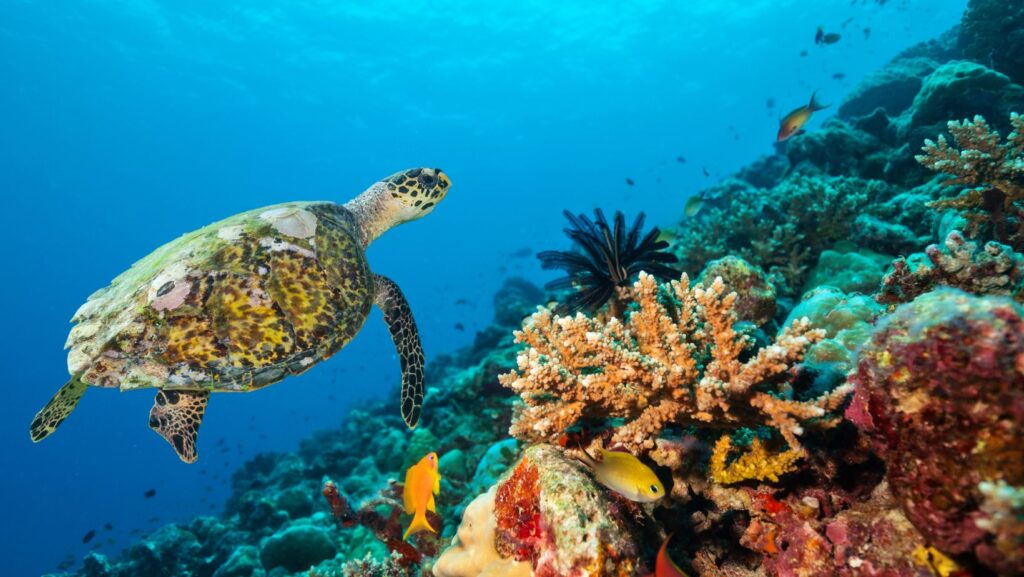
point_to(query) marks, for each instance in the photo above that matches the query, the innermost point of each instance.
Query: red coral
(388, 529)
(517, 511)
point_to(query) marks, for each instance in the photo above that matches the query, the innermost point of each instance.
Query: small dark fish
(630, 182)
(136, 531)
(770, 102)
(522, 253)
(149, 494)
(67, 563)
(220, 442)
(867, 33)
(826, 38)
(706, 171)
(88, 536)
(461, 302)
(803, 53)
(838, 75)
(108, 526)
(459, 327)
(154, 520)
(681, 159)
(846, 22)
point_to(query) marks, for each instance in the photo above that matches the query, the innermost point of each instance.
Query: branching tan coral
(676, 360)
(980, 159)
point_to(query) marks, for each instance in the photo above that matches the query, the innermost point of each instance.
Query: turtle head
(397, 199)
(415, 192)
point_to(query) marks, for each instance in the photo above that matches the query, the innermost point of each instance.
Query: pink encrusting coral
(940, 394)
(675, 360)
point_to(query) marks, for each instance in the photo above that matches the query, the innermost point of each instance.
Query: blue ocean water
(126, 123)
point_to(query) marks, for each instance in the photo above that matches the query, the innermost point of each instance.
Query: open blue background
(124, 123)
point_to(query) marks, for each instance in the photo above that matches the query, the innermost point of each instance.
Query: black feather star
(609, 257)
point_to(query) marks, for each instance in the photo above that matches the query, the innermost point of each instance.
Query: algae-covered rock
(891, 88)
(992, 31)
(846, 319)
(850, 272)
(297, 548)
(958, 90)
(453, 465)
(551, 512)
(940, 394)
(755, 302)
(243, 562)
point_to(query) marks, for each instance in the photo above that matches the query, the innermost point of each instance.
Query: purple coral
(940, 395)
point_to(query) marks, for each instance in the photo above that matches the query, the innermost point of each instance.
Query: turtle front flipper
(176, 416)
(402, 327)
(57, 409)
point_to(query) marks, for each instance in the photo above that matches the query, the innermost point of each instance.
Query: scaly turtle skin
(244, 302)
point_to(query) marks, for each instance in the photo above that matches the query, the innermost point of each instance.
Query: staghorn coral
(756, 463)
(989, 269)
(674, 361)
(993, 168)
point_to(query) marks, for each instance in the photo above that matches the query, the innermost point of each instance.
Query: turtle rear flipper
(402, 327)
(176, 416)
(60, 406)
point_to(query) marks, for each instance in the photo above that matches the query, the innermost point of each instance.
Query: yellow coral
(675, 360)
(936, 561)
(755, 464)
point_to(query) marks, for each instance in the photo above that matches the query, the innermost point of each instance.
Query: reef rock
(992, 31)
(940, 394)
(550, 512)
(847, 321)
(755, 301)
(297, 548)
(891, 88)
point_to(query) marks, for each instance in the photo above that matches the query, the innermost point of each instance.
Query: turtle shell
(234, 306)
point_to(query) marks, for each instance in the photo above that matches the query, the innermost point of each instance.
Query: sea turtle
(244, 302)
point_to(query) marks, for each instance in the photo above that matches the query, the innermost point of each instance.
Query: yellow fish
(793, 123)
(626, 475)
(422, 482)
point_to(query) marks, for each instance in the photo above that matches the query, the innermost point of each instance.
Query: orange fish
(422, 482)
(793, 123)
(663, 565)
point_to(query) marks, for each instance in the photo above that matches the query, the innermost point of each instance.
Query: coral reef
(920, 475)
(674, 361)
(991, 269)
(991, 33)
(940, 393)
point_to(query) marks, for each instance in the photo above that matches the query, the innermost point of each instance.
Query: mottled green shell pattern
(234, 306)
